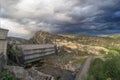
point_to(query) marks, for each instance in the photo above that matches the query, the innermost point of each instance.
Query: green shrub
(105, 70)
(6, 75)
(102, 51)
(112, 67)
(114, 49)
(97, 70)
(113, 52)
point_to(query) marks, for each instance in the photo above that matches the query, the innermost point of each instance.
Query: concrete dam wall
(3, 48)
(29, 53)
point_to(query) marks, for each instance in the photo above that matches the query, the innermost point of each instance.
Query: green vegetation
(74, 46)
(83, 42)
(114, 49)
(12, 51)
(77, 61)
(114, 36)
(6, 75)
(33, 41)
(15, 52)
(102, 51)
(10, 62)
(105, 70)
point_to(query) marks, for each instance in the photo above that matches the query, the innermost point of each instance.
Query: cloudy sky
(24, 17)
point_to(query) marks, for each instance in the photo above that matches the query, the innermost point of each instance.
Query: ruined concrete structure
(3, 47)
(3, 42)
(29, 74)
(29, 53)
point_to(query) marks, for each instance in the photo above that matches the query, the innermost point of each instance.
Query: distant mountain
(17, 40)
(114, 36)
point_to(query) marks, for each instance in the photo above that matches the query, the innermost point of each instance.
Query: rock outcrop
(28, 74)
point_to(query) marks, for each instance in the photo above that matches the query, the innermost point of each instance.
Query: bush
(102, 51)
(6, 75)
(112, 67)
(105, 70)
(97, 70)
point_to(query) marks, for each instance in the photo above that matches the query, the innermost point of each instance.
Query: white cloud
(14, 27)
(63, 17)
(24, 17)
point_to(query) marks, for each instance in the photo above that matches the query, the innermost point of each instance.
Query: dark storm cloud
(103, 18)
(63, 16)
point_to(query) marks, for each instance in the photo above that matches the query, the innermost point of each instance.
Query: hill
(17, 40)
(73, 50)
(114, 36)
(77, 43)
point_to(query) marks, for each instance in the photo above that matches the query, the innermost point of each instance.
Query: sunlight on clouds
(14, 27)
(26, 8)
(38, 7)
(25, 17)
(63, 17)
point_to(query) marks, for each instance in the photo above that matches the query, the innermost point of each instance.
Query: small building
(28, 53)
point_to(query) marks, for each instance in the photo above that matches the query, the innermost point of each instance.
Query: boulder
(28, 74)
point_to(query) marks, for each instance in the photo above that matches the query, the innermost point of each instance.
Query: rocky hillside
(73, 50)
(77, 44)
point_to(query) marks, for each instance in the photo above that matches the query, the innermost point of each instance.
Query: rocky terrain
(73, 51)
(77, 44)
(28, 74)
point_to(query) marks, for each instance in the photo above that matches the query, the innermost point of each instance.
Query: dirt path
(82, 74)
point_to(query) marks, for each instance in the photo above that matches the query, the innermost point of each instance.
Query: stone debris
(28, 74)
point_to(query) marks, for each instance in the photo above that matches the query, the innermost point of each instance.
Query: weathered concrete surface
(29, 53)
(100, 57)
(82, 74)
(3, 33)
(3, 47)
(3, 43)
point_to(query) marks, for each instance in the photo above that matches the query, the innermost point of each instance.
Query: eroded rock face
(29, 74)
(59, 74)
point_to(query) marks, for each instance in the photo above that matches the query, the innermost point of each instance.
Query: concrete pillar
(3, 42)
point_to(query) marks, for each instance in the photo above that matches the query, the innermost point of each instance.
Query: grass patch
(78, 60)
(102, 51)
(105, 70)
(6, 75)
